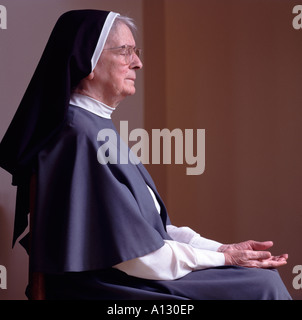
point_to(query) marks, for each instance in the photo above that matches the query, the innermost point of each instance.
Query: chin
(131, 92)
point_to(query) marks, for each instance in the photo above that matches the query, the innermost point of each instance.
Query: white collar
(97, 107)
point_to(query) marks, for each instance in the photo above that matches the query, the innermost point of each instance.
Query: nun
(101, 230)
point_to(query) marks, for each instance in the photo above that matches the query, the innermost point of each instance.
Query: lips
(131, 77)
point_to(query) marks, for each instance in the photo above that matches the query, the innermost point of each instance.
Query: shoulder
(78, 132)
(82, 125)
(81, 121)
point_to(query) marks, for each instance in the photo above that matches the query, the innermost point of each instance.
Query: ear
(90, 76)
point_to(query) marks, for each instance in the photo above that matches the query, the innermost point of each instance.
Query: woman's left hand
(252, 254)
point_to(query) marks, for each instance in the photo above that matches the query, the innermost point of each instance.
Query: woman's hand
(252, 254)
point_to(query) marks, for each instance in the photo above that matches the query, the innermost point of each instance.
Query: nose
(136, 63)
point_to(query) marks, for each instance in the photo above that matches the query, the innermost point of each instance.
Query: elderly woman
(101, 231)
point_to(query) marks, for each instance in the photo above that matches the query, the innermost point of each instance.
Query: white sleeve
(189, 236)
(172, 261)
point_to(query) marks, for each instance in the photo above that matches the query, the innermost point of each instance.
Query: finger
(285, 256)
(264, 245)
(265, 264)
(280, 258)
(271, 263)
(258, 255)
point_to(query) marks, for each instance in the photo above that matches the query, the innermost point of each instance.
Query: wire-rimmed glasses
(128, 52)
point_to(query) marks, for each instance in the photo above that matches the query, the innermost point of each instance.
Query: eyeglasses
(128, 52)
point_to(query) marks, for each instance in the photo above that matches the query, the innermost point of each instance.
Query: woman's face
(114, 78)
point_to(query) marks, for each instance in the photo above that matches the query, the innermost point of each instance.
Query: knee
(273, 286)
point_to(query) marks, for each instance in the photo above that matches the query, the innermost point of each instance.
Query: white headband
(102, 39)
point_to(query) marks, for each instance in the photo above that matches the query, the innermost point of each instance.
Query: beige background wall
(232, 68)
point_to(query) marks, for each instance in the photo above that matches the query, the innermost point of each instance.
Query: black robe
(89, 215)
(66, 60)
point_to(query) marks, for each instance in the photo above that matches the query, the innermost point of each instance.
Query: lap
(231, 283)
(221, 283)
